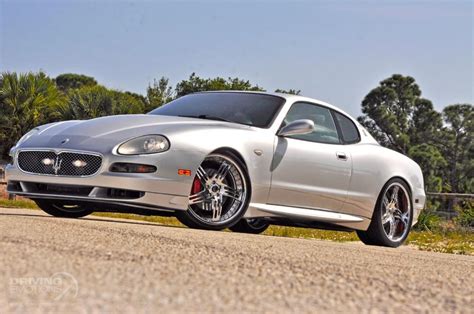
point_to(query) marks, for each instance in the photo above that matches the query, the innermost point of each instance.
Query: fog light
(131, 168)
(79, 163)
(47, 161)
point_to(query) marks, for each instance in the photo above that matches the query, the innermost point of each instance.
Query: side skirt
(310, 216)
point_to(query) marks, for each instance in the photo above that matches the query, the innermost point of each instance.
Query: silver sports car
(215, 160)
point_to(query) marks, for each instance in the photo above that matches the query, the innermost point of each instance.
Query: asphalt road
(96, 264)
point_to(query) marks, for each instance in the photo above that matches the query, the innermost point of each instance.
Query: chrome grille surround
(31, 162)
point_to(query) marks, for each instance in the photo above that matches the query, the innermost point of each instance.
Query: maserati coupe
(216, 160)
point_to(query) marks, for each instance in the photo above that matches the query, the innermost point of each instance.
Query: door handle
(341, 155)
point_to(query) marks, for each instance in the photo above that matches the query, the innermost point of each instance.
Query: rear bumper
(147, 191)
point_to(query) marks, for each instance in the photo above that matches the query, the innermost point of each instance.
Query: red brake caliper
(196, 185)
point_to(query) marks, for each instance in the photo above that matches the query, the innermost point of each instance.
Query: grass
(307, 233)
(169, 221)
(22, 203)
(447, 238)
(448, 241)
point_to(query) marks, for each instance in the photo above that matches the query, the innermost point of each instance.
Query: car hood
(102, 134)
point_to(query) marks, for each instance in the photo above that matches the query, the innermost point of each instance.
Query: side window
(349, 131)
(325, 129)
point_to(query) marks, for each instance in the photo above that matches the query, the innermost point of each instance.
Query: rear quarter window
(350, 133)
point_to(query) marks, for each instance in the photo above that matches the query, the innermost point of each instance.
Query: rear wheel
(63, 209)
(391, 221)
(252, 225)
(219, 195)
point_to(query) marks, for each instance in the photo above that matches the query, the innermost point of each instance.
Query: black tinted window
(244, 108)
(350, 134)
(324, 128)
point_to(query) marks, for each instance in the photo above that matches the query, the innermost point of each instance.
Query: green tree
(158, 94)
(290, 91)
(97, 101)
(137, 97)
(197, 84)
(26, 100)
(457, 146)
(433, 164)
(89, 102)
(397, 116)
(127, 103)
(69, 81)
(425, 124)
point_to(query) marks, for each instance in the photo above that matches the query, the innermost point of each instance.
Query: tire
(254, 226)
(220, 194)
(62, 209)
(392, 217)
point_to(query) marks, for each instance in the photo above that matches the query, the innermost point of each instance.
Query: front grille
(59, 164)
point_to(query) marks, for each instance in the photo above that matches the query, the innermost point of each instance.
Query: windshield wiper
(208, 117)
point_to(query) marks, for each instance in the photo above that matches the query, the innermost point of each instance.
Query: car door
(310, 170)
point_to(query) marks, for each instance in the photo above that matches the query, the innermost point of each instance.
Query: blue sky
(332, 50)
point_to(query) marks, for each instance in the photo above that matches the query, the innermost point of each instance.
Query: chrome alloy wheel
(218, 191)
(396, 211)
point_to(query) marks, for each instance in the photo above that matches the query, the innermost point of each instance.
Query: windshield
(244, 108)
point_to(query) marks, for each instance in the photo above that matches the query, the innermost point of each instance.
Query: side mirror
(303, 126)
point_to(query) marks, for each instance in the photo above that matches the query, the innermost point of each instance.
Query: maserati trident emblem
(57, 165)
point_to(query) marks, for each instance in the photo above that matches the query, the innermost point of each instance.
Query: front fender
(254, 146)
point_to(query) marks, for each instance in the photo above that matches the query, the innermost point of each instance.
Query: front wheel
(219, 195)
(392, 218)
(62, 209)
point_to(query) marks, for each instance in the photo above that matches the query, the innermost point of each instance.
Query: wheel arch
(233, 152)
(410, 189)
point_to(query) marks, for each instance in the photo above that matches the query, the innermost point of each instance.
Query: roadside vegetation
(444, 237)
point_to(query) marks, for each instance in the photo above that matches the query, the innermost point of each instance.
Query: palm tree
(97, 101)
(90, 102)
(26, 100)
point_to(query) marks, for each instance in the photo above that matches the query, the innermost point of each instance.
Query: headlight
(149, 144)
(27, 136)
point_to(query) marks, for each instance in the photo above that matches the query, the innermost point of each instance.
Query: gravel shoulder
(102, 264)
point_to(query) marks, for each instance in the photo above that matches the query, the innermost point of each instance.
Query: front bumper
(148, 191)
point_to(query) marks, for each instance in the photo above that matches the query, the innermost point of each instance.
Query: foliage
(428, 219)
(441, 143)
(444, 240)
(21, 203)
(465, 215)
(198, 84)
(290, 91)
(458, 148)
(89, 102)
(432, 162)
(26, 100)
(127, 103)
(69, 81)
(158, 94)
(97, 101)
(397, 116)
